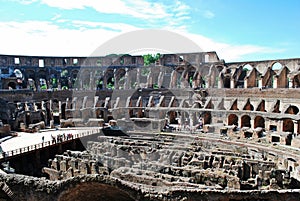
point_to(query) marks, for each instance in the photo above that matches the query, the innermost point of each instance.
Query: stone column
(275, 80)
(290, 82)
(232, 83)
(245, 83)
(252, 122)
(116, 79)
(220, 83)
(295, 126)
(260, 83)
(59, 110)
(138, 81)
(280, 125)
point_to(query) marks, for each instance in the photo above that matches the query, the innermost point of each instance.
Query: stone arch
(85, 78)
(282, 78)
(276, 107)
(261, 106)
(276, 66)
(64, 78)
(296, 81)
(207, 118)
(226, 80)
(191, 71)
(73, 77)
(109, 79)
(247, 67)
(241, 73)
(233, 120)
(292, 109)
(248, 106)
(268, 78)
(177, 76)
(173, 116)
(246, 121)
(288, 125)
(94, 191)
(12, 85)
(259, 121)
(42, 79)
(120, 78)
(234, 105)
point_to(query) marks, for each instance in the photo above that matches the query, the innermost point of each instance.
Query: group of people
(61, 137)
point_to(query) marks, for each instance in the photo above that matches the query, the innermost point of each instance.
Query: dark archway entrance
(94, 191)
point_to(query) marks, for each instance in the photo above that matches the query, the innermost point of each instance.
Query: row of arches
(286, 125)
(261, 107)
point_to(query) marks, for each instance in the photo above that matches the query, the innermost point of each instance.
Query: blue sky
(237, 30)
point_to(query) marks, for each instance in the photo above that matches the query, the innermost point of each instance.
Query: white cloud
(26, 2)
(45, 38)
(117, 27)
(136, 8)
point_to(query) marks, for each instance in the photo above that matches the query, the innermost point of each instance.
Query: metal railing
(42, 145)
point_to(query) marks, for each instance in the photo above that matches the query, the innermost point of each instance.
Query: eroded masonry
(186, 127)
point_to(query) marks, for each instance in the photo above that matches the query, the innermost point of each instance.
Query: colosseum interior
(194, 127)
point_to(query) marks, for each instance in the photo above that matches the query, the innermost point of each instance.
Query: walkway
(26, 142)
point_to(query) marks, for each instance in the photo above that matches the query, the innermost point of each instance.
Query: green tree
(150, 59)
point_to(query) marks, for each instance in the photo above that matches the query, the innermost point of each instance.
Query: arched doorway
(259, 121)
(246, 121)
(94, 191)
(288, 125)
(292, 110)
(233, 119)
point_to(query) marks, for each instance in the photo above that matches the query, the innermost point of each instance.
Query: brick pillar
(246, 83)
(275, 80)
(232, 83)
(138, 81)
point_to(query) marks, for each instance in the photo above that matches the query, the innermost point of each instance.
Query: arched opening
(20, 77)
(120, 78)
(276, 107)
(12, 85)
(63, 111)
(261, 106)
(55, 110)
(94, 191)
(296, 81)
(276, 66)
(241, 77)
(207, 118)
(64, 75)
(43, 84)
(234, 106)
(172, 117)
(85, 78)
(233, 119)
(74, 78)
(110, 80)
(248, 67)
(259, 121)
(191, 73)
(226, 81)
(292, 110)
(288, 125)
(246, 121)
(178, 76)
(248, 106)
